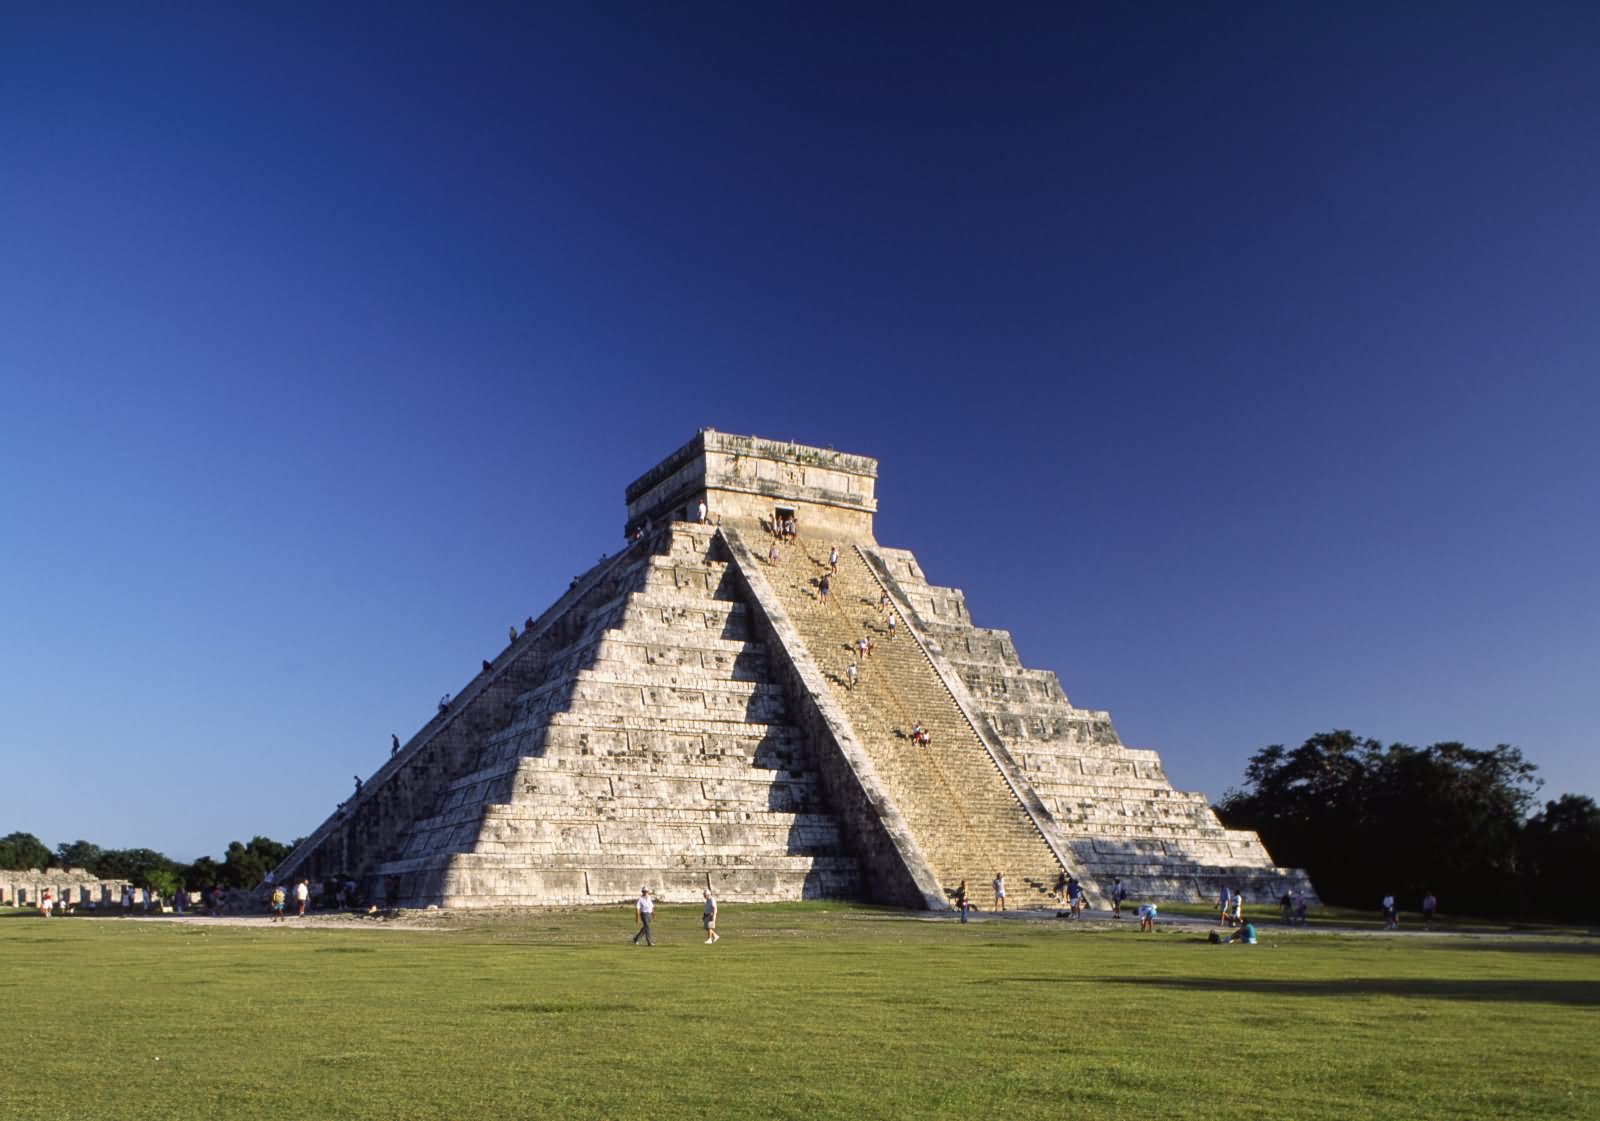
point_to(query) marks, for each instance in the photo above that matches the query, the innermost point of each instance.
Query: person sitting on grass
(1245, 935)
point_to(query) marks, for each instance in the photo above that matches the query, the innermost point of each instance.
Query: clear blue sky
(1240, 359)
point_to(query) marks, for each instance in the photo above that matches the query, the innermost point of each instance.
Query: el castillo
(697, 712)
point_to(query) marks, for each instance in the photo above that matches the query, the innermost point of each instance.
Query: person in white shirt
(644, 907)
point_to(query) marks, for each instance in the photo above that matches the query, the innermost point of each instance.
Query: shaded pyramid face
(767, 704)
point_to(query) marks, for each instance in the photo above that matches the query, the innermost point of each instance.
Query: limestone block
(470, 884)
(653, 838)
(610, 882)
(775, 795)
(565, 835)
(564, 739)
(653, 788)
(540, 782)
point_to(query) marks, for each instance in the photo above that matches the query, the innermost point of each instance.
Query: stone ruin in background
(69, 887)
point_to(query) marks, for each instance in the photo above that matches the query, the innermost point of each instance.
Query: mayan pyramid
(684, 717)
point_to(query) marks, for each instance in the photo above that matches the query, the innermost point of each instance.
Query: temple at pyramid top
(749, 480)
(756, 698)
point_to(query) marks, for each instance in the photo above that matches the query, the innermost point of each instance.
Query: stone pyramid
(684, 717)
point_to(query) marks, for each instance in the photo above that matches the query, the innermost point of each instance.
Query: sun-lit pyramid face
(756, 698)
(748, 480)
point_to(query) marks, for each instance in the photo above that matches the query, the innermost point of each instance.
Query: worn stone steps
(653, 742)
(965, 819)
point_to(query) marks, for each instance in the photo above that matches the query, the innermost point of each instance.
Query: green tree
(202, 874)
(1308, 804)
(245, 865)
(22, 851)
(78, 854)
(1560, 852)
(1447, 818)
(135, 865)
(1365, 820)
(162, 881)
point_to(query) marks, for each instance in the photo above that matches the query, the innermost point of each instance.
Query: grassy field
(806, 1011)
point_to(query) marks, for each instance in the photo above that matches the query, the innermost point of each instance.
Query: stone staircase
(963, 814)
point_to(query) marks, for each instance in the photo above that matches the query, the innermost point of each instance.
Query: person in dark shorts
(708, 919)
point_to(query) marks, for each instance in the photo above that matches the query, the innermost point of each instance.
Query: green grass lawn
(806, 1011)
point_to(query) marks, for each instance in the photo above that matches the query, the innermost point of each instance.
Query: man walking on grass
(644, 906)
(709, 919)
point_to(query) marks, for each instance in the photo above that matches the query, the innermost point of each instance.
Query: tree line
(1365, 819)
(242, 866)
